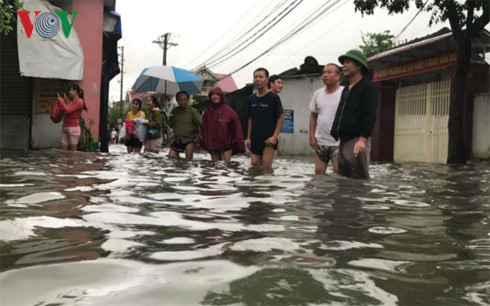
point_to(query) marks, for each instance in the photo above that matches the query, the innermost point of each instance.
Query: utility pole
(165, 42)
(121, 105)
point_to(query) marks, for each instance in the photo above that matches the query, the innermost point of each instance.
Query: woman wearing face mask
(133, 144)
(222, 133)
(153, 141)
(72, 111)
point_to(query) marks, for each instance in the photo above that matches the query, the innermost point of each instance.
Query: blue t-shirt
(264, 112)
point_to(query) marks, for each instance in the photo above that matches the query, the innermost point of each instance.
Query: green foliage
(472, 14)
(87, 142)
(374, 43)
(8, 14)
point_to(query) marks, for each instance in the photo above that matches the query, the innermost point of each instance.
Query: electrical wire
(232, 53)
(243, 34)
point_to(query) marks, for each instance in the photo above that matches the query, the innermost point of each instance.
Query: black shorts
(258, 149)
(133, 142)
(178, 146)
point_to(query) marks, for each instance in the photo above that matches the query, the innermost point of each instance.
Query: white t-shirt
(325, 105)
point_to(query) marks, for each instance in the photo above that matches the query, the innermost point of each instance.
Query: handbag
(56, 113)
(153, 133)
(130, 127)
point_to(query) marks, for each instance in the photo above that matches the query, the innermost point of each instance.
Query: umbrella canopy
(167, 79)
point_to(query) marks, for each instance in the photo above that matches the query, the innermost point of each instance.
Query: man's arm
(313, 122)
(273, 139)
(249, 132)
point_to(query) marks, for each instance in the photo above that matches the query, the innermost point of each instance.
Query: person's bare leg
(73, 147)
(189, 151)
(268, 158)
(226, 155)
(64, 146)
(335, 163)
(256, 160)
(320, 166)
(215, 155)
(172, 153)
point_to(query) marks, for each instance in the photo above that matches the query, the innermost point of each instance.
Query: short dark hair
(264, 70)
(137, 101)
(272, 79)
(337, 67)
(182, 92)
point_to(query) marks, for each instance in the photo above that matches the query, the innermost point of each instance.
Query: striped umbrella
(168, 80)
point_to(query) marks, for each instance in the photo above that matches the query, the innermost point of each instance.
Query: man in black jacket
(355, 117)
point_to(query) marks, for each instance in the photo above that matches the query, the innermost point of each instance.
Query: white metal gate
(421, 116)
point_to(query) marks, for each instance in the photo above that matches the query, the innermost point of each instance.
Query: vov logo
(47, 24)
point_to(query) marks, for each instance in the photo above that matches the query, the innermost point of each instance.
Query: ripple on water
(36, 198)
(337, 245)
(386, 230)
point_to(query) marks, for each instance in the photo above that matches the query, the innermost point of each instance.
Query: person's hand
(313, 142)
(247, 143)
(271, 141)
(359, 146)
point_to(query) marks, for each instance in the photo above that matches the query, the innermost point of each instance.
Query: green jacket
(186, 123)
(154, 123)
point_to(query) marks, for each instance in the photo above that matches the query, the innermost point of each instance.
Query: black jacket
(356, 112)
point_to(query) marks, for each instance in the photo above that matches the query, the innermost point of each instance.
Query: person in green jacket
(153, 141)
(186, 122)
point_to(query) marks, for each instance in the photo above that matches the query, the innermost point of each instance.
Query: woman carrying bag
(153, 141)
(72, 111)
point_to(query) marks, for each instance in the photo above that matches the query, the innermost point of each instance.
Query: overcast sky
(201, 28)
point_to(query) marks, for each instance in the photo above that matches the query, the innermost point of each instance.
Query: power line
(263, 30)
(222, 36)
(245, 32)
(410, 22)
(288, 36)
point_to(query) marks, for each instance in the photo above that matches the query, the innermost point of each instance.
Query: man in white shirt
(323, 107)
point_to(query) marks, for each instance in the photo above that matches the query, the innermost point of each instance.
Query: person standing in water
(133, 144)
(266, 117)
(71, 117)
(186, 122)
(153, 142)
(222, 133)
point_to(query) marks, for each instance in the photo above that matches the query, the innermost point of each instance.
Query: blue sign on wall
(288, 126)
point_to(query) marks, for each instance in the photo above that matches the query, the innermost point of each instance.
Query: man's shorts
(258, 149)
(70, 135)
(178, 146)
(325, 153)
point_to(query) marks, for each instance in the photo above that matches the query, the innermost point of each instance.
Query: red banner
(424, 64)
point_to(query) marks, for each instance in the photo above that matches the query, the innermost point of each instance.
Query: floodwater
(118, 229)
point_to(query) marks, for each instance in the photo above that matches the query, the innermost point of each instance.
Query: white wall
(481, 126)
(296, 95)
(45, 134)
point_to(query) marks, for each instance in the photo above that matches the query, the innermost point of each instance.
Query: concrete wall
(481, 126)
(89, 26)
(296, 96)
(45, 134)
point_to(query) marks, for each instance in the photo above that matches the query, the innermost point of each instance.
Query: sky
(202, 28)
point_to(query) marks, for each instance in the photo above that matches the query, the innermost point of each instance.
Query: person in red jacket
(72, 112)
(222, 134)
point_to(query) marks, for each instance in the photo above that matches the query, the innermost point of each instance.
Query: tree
(8, 10)
(467, 18)
(374, 43)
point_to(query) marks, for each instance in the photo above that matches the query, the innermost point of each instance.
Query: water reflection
(118, 229)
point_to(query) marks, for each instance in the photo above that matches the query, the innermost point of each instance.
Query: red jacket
(221, 128)
(71, 112)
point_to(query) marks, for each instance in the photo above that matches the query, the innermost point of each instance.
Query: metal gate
(421, 116)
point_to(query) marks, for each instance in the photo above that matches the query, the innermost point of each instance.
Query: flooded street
(118, 229)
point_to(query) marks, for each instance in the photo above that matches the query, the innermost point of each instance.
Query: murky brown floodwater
(118, 229)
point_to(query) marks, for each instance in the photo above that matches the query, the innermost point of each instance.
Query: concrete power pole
(121, 105)
(165, 42)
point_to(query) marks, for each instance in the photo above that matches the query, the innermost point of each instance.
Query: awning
(56, 57)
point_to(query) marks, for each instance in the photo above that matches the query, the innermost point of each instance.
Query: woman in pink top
(71, 117)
